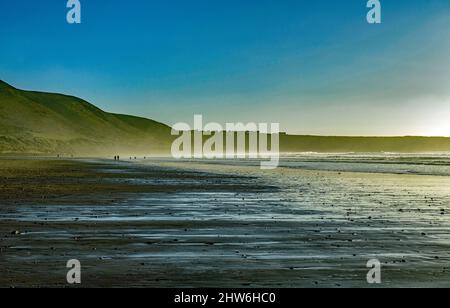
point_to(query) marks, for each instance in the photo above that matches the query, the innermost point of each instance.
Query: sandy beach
(162, 223)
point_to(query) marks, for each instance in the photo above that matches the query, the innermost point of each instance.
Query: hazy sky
(316, 67)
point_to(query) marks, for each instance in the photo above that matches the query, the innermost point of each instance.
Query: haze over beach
(39, 123)
(92, 193)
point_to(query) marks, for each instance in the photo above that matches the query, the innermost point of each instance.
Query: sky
(316, 67)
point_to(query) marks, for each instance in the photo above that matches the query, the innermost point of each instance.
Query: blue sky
(317, 67)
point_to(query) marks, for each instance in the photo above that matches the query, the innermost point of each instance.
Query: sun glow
(440, 130)
(438, 122)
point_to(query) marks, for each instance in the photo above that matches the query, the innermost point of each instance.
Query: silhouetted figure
(115, 158)
(118, 157)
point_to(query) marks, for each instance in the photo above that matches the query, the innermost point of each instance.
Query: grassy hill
(330, 144)
(35, 122)
(45, 123)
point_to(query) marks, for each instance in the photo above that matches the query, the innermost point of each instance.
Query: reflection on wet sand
(178, 224)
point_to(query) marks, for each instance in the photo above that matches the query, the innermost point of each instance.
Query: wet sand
(175, 224)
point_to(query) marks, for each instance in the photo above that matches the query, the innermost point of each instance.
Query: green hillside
(35, 122)
(45, 123)
(329, 144)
